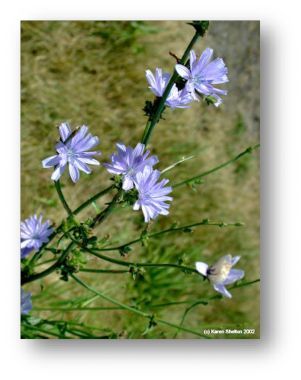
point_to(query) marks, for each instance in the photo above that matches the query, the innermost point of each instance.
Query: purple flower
(179, 98)
(26, 304)
(73, 150)
(128, 162)
(34, 233)
(157, 84)
(152, 194)
(221, 273)
(203, 74)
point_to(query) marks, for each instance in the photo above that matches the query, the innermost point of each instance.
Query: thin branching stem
(52, 268)
(216, 168)
(204, 301)
(81, 207)
(150, 317)
(137, 265)
(186, 228)
(99, 218)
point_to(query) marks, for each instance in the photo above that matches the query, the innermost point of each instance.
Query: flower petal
(127, 183)
(192, 59)
(182, 71)
(201, 268)
(233, 276)
(51, 161)
(74, 173)
(65, 131)
(82, 166)
(204, 59)
(58, 172)
(221, 289)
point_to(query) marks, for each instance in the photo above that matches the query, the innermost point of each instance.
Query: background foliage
(94, 73)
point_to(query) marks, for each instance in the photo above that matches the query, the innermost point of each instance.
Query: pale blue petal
(234, 275)
(221, 289)
(51, 161)
(74, 173)
(58, 172)
(65, 131)
(182, 71)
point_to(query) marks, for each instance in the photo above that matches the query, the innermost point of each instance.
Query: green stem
(99, 218)
(134, 310)
(92, 270)
(155, 117)
(49, 270)
(93, 199)
(98, 195)
(204, 301)
(197, 177)
(132, 264)
(58, 188)
(204, 222)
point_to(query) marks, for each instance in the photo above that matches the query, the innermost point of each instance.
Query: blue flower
(152, 194)
(128, 162)
(73, 150)
(176, 98)
(221, 273)
(34, 233)
(26, 304)
(203, 74)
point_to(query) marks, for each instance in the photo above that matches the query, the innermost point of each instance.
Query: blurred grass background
(93, 72)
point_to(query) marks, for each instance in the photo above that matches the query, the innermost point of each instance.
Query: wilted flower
(34, 233)
(26, 304)
(203, 74)
(128, 162)
(221, 273)
(176, 98)
(73, 150)
(152, 194)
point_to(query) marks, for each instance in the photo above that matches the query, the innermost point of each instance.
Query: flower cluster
(221, 273)
(136, 168)
(199, 78)
(73, 149)
(34, 233)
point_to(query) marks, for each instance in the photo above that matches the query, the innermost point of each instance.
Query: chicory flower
(203, 74)
(128, 162)
(152, 195)
(34, 234)
(73, 150)
(221, 273)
